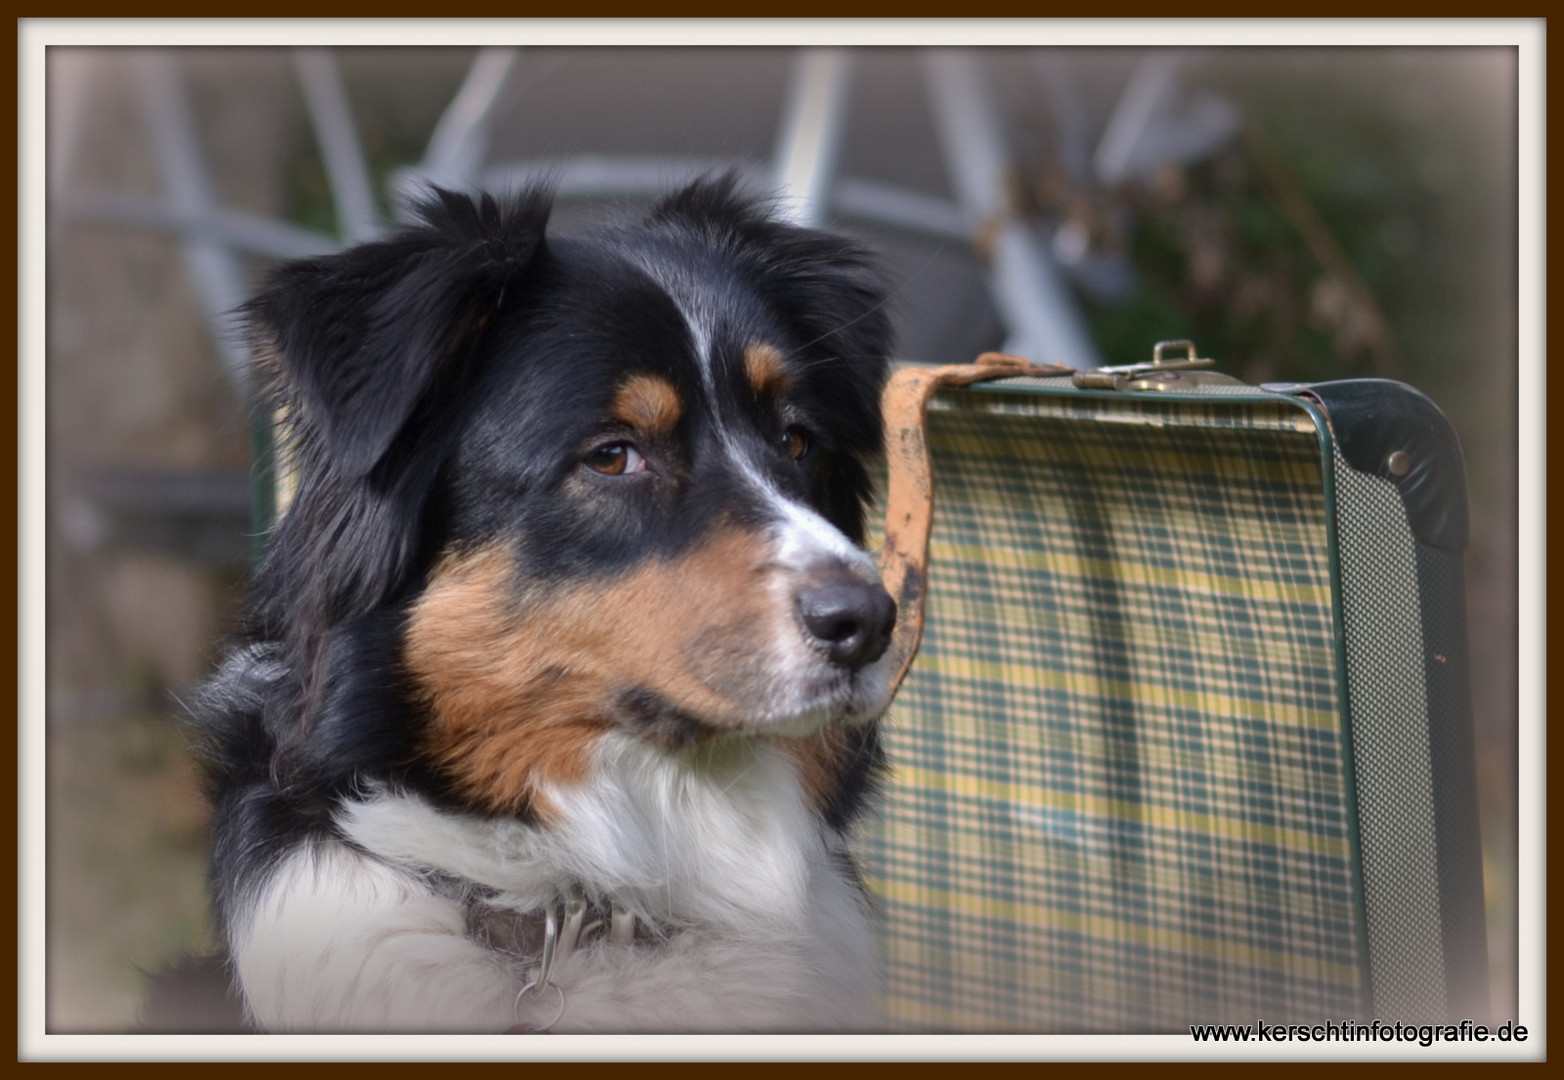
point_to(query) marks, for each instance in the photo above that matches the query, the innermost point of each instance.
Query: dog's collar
(548, 936)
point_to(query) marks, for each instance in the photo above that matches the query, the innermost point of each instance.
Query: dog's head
(609, 482)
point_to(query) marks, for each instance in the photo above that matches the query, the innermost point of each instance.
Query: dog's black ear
(362, 335)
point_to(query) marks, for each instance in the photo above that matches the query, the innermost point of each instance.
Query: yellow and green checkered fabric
(1121, 797)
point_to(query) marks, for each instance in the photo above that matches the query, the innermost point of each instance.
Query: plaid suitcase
(1189, 736)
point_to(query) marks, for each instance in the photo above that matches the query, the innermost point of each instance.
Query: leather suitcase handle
(909, 510)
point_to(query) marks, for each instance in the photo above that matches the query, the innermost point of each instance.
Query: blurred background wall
(1300, 213)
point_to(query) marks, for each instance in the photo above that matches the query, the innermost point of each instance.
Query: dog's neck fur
(723, 845)
(721, 836)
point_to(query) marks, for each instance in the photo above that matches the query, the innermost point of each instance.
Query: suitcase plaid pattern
(1122, 795)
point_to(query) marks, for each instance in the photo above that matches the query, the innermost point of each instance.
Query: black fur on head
(365, 351)
(826, 285)
(372, 358)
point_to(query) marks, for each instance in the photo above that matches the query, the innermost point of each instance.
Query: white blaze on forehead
(699, 310)
(804, 539)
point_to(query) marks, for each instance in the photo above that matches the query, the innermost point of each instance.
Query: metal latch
(1163, 373)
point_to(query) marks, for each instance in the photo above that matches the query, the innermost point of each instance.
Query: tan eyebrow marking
(648, 402)
(767, 370)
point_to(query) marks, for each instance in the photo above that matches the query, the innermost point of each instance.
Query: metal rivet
(1400, 463)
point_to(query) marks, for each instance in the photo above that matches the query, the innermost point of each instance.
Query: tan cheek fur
(521, 692)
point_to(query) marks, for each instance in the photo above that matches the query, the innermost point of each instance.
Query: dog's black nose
(852, 619)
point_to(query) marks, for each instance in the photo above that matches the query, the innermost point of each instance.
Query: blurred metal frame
(1026, 278)
(1042, 320)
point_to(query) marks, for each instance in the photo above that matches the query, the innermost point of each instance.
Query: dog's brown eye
(795, 442)
(616, 459)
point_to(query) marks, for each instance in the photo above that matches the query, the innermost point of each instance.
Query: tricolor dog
(561, 673)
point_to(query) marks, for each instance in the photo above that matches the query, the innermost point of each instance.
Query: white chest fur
(720, 852)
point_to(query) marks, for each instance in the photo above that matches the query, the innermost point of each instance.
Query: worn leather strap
(909, 511)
